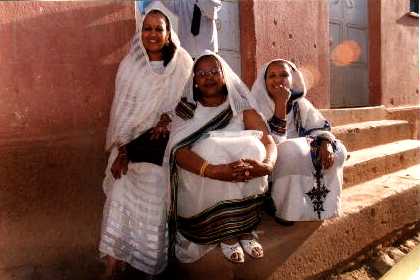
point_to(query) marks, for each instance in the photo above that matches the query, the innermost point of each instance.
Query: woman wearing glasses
(221, 154)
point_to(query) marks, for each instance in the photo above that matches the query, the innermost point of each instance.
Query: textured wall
(58, 62)
(399, 54)
(295, 30)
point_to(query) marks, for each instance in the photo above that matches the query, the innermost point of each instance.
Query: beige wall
(298, 30)
(295, 30)
(58, 62)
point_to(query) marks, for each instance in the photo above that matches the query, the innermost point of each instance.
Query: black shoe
(284, 222)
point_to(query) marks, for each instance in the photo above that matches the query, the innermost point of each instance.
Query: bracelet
(203, 168)
(277, 125)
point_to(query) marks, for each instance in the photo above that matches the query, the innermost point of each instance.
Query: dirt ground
(376, 262)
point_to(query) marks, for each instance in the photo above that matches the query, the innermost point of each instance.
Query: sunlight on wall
(346, 53)
(312, 75)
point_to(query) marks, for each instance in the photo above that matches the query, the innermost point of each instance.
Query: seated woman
(149, 82)
(308, 175)
(221, 154)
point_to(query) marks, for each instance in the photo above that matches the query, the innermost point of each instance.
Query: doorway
(349, 84)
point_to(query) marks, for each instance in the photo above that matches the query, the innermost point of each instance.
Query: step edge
(374, 124)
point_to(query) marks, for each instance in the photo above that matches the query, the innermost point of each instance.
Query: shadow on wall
(58, 62)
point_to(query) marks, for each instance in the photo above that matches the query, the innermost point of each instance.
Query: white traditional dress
(134, 225)
(206, 210)
(301, 189)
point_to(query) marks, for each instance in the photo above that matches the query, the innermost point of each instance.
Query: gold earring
(196, 86)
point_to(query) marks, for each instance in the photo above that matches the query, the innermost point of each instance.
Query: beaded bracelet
(277, 125)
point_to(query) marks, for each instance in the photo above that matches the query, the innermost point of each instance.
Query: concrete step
(353, 115)
(356, 136)
(371, 212)
(369, 163)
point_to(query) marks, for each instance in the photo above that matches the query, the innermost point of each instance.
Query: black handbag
(143, 149)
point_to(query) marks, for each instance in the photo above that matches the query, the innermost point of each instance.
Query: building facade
(58, 62)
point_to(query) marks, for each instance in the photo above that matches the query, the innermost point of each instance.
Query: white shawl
(310, 116)
(237, 99)
(264, 103)
(238, 92)
(142, 94)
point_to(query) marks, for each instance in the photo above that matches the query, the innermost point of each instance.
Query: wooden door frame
(375, 52)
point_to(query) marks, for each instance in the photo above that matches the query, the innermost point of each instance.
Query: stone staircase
(381, 196)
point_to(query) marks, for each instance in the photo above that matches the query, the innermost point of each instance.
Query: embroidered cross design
(319, 191)
(317, 194)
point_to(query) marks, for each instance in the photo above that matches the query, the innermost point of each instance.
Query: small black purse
(143, 149)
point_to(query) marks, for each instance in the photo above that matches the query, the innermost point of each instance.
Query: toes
(257, 252)
(236, 257)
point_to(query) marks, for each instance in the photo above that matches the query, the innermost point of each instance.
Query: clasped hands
(242, 170)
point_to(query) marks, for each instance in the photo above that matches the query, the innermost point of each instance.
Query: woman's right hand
(281, 95)
(120, 165)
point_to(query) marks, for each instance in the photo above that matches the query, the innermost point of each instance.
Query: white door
(228, 32)
(349, 53)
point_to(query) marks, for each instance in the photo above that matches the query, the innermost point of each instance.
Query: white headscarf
(263, 102)
(238, 92)
(310, 119)
(143, 94)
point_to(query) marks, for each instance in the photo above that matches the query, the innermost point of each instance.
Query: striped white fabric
(134, 220)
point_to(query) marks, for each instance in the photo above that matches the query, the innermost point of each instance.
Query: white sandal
(229, 250)
(249, 245)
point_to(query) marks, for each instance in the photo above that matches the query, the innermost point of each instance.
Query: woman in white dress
(149, 83)
(221, 154)
(308, 175)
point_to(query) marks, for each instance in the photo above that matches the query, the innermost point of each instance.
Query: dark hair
(196, 91)
(168, 50)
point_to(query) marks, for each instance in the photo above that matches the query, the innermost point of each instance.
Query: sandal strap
(249, 245)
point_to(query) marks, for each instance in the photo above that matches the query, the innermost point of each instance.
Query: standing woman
(149, 82)
(308, 175)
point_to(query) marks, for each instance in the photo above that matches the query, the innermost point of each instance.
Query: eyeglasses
(213, 72)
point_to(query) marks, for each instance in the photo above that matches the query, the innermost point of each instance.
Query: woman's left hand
(327, 154)
(161, 129)
(159, 132)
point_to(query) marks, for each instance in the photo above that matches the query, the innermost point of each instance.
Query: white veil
(264, 104)
(141, 93)
(238, 92)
